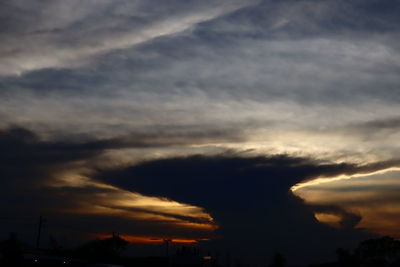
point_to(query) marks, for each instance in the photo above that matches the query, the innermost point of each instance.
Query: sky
(268, 123)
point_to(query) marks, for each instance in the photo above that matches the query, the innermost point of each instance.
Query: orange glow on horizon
(152, 239)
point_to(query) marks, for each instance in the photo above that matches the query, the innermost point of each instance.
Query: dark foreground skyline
(250, 126)
(115, 251)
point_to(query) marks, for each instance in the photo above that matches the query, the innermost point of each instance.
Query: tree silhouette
(382, 252)
(11, 251)
(278, 260)
(108, 249)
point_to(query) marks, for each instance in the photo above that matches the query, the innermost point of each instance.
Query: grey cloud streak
(290, 72)
(80, 31)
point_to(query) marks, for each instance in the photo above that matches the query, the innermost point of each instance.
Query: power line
(39, 231)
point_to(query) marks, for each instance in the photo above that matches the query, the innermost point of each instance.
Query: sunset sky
(255, 126)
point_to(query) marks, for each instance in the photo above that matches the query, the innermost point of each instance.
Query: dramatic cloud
(173, 113)
(40, 177)
(249, 197)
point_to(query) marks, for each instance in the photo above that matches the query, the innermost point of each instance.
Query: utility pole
(39, 231)
(166, 242)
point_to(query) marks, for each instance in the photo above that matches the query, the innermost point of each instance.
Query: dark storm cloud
(249, 197)
(226, 185)
(186, 179)
(30, 165)
(26, 160)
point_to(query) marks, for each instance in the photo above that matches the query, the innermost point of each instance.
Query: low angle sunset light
(372, 199)
(212, 133)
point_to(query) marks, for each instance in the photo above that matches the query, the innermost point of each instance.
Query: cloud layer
(248, 197)
(304, 71)
(151, 104)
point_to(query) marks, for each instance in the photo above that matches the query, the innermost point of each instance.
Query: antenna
(167, 241)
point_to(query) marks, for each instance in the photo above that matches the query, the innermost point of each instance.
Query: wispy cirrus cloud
(61, 35)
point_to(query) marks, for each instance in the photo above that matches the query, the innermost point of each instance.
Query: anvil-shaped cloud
(104, 105)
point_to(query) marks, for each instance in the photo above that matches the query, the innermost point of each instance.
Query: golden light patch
(330, 219)
(373, 196)
(109, 200)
